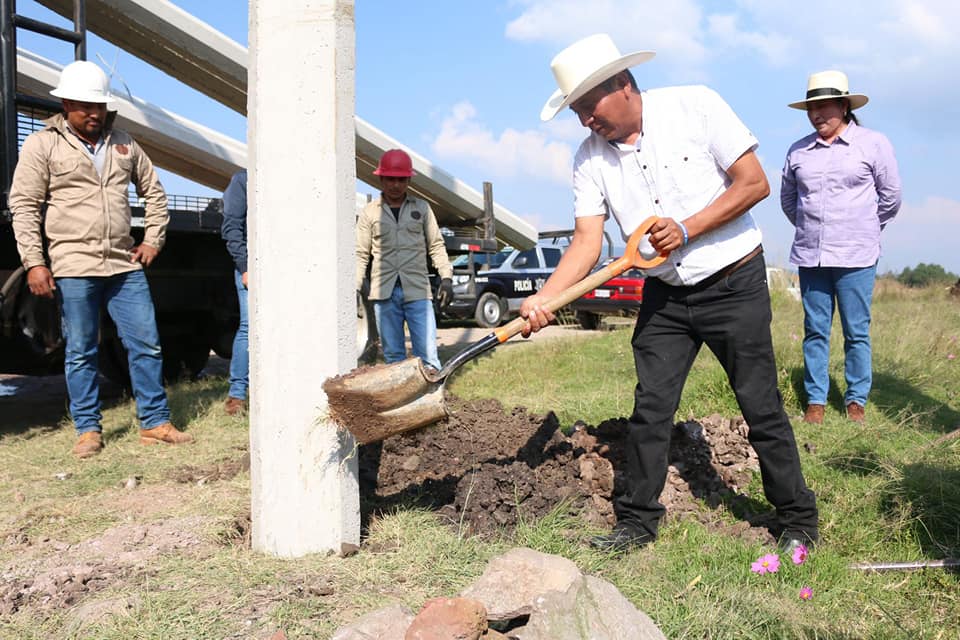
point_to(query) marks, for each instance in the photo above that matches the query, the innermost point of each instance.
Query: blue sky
(463, 83)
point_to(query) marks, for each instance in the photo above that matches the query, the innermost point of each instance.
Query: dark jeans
(732, 317)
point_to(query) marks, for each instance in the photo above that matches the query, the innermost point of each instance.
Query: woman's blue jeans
(240, 355)
(390, 315)
(850, 290)
(128, 301)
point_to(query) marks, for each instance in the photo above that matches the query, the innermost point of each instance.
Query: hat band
(826, 91)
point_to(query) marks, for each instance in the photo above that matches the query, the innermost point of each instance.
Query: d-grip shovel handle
(631, 258)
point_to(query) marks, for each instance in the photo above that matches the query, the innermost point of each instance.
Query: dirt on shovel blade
(487, 469)
(377, 402)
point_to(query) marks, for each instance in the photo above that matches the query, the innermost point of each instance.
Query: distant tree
(925, 274)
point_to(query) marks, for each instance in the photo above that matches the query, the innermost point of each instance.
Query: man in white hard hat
(679, 153)
(80, 167)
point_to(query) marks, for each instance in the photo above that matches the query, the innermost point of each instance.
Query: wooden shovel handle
(631, 258)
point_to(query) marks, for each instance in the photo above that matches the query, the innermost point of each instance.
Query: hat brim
(857, 100)
(94, 99)
(559, 101)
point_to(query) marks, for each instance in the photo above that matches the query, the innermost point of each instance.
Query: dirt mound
(486, 468)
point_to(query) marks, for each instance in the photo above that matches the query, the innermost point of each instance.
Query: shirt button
(657, 201)
(644, 166)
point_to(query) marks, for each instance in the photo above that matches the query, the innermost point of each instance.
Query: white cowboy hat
(585, 64)
(830, 85)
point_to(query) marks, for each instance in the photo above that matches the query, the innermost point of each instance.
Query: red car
(620, 296)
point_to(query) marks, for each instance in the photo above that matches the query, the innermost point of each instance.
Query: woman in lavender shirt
(840, 187)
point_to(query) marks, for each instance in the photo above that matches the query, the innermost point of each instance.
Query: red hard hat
(395, 163)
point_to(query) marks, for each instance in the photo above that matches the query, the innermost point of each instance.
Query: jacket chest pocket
(63, 168)
(411, 231)
(121, 165)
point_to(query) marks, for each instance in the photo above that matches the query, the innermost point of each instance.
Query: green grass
(884, 494)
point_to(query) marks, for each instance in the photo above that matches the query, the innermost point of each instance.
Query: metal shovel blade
(377, 402)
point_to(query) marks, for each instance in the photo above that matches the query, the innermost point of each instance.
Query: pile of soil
(485, 469)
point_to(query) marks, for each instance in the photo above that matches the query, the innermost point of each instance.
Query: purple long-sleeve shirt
(839, 197)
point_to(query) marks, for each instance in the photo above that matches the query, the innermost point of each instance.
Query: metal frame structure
(10, 21)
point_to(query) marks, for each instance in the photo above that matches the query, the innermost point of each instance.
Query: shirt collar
(87, 145)
(846, 137)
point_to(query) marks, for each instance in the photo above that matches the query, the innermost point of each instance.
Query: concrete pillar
(300, 134)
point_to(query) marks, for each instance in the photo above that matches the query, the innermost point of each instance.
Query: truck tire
(589, 321)
(490, 310)
(184, 358)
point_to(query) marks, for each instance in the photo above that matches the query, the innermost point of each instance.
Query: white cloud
(568, 129)
(888, 45)
(725, 31)
(892, 44)
(669, 27)
(512, 153)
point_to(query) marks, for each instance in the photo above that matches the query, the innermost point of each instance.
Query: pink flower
(799, 555)
(806, 593)
(950, 356)
(766, 564)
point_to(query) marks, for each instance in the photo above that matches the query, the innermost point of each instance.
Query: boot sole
(151, 441)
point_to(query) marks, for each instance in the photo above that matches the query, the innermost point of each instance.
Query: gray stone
(513, 582)
(389, 623)
(591, 609)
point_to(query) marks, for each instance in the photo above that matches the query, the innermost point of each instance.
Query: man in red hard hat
(394, 235)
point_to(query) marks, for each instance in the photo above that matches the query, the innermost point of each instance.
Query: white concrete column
(300, 134)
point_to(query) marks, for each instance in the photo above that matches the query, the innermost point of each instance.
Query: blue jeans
(240, 356)
(390, 315)
(128, 301)
(851, 291)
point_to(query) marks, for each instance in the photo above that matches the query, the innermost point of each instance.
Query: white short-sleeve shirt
(676, 168)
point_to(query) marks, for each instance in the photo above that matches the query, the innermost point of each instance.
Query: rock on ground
(389, 623)
(513, 581)
(591, 609)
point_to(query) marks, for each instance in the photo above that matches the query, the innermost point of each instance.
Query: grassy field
(888, 491)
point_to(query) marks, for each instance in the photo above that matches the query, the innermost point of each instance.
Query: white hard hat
(83, 81)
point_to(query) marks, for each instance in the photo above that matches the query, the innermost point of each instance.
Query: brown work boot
(235, 406)
(89, 445)
(855, 412)
(166, 433)
(813, 414)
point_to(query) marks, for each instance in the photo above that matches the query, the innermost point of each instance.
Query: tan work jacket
(398, 249)
(87, 221)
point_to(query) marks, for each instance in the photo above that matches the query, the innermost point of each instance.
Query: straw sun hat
(829, 85)
(585, 64)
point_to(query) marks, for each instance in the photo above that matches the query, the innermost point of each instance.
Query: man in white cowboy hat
(80, 168)
(681, 154)
(839, 188)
